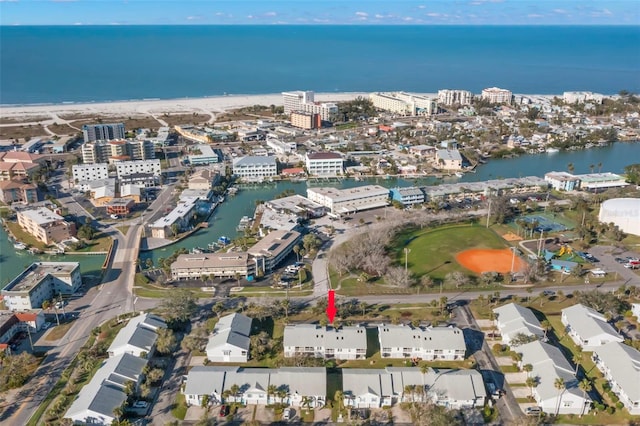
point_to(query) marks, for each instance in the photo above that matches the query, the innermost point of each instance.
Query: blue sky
(309, 12)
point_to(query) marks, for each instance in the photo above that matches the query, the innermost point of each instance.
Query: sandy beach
(209, 105)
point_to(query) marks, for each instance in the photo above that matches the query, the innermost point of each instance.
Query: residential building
(600, 181)
(403, 103)
(513, 320)
(454, 389)
(113, 151)
(270, 251)
(203, 179)
(449, 159)
(367, 388)
(348, 342)
(582, 97)
(326, 111)
(125, 168)
(454, 97)
(294, 386)
(562, 181)
(193, 133)
(324, 163)
(90, 172)
(12, 323)
(100, 191)
(427, 343)
(294, 101)
(281, 147)
(255, 167)
(180, 216)
(230, 341)
(351, 200)
(120, 206)
(219, 265)
(144, 180)
(45, 225)
(451, 191)
(588, 328)
(495, 95)
(422, 150)
(549, 365)
(39, 282)
(298, 205)
(138, 337)
(18, 191)
(305, 120)
(98, 399)
(620, 365)
(18, 165)
(408, 196)
(103, 132)
(206, 156)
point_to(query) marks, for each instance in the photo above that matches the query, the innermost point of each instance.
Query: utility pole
(406, 258)
(489, 212)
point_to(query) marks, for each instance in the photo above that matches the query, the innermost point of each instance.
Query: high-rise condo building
(293, 101)
(496, 95)
(117, 150)
(99, 132)
(454, 97)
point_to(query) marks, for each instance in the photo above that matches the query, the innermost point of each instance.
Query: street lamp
(406, 258)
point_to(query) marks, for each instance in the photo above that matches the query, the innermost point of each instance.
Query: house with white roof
(513, 320)
(296, 386)
(549, 364)
(106, 390)
(635, 310)
(620, 365)
(349, 342)
(230, 339)
(138, 337)
(449, 159)
(428, 343)
(366, 388)
(588, 328)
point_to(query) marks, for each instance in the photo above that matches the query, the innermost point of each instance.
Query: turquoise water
(12, 262)
(93, 63)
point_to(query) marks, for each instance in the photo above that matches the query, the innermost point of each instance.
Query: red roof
(26, 316)
(293, 171)
(20, 156)
(323, 156)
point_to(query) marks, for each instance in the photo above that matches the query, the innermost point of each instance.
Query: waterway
(13, 261)
(227, 216)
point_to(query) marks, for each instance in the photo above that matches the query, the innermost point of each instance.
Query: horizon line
(320, 24)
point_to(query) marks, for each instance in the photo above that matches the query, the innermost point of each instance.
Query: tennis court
(544, 223)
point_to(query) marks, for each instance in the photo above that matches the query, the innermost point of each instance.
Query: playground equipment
(565, 250)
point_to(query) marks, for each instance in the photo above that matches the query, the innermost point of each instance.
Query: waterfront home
(97, 400)
(18, 191)
(513, 320)
(408, 196)
(324, 163)
(270, 251)
(39, 282)
(255, 167)
(588, 328)
(422, 150)
(230, 341)
(348, 342)
(46, 225)
(138, 337)
(448, 159)
(549, 365)
(350, 200)
(180, 216)
(427, 343)
(203, 179)
(562, 181)
(620, 365)
(218, 265)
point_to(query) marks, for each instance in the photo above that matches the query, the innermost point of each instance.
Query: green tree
(632, 173)
(531, 382)
(585, 386)
(559, 384)
(166, 342)
(180, 306)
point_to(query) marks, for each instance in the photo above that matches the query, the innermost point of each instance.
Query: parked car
(549, 293)
(224, 410)
(533, 411)
(140, 404)
(286, 414)
(620, 260)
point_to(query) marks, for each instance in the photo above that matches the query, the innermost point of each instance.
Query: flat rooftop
(42, 216)
(35, 273)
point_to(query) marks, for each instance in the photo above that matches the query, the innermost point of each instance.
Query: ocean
(54, 64)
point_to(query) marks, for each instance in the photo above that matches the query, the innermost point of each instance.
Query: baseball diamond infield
(489, 260)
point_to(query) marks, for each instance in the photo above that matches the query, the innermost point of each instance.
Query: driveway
(400, 417)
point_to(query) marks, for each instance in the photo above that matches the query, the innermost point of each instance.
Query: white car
(115, 216)
(140, 404)
(286, 414)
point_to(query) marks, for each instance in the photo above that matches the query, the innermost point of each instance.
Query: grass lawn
(427, 255)
(145, 288)
(101, 242)
(179, 408)
(58, 332)
(124, 229)
(24, 237)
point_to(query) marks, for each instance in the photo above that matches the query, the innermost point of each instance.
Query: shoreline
(214, 104)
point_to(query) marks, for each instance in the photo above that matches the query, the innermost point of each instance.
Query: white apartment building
(88, 172)
(429, 343)
(454, 97)
(46, 225)
(324, 163)
(582, 97)
(294, 101)
(221, 265)
(404, 103)
(281, 147)
(255, 167)
(344, 201)
(496, 95)
(325, 110)
(619, 363)
(448, 159)
(325, 342)
(39, 282)
(126, 168)
(180, 216)
(270, 251)
(562, 181)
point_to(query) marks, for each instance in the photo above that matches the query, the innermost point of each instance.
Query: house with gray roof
(366, 388)
(456, 389)
(138, 337)
(296, 386)
(588, 328)
(106, 390)
(620, 365)
(428, 343)
(349, 342)
(549, 364)
(230, 339)
(513, 320)
(255, 168)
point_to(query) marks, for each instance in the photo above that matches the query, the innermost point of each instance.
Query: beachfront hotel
(39, 282)
(103, 132)
(303, 101)
(496, 95)
(45, 225)
(582, 97)
(454, 97)
(351, 200)
(403, 103)
(305, 120)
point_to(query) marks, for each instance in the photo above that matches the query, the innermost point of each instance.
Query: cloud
(421, 6)
(270, 14)
(250, 16)
(535, 15)
(407, 19)
(559, 11)
(604, 13)
(433, 15)
(362, 14)
(194, 18)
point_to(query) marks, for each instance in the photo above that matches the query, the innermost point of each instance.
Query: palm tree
(296, 250)
(424, 368)
(528, 368)
(118, 412)
(531, 382)
(282, 394)
(600, 167)
(271, 390)
(591, 167)
(234, 391)
(560, 385)
(585, 386)
(577, 360)
(409, 390)
(363, 306)
(546, 326)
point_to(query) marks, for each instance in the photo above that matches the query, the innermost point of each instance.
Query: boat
(19, 246)
(459, 174)
(552, 150)
(245, 222)
(224, 240)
